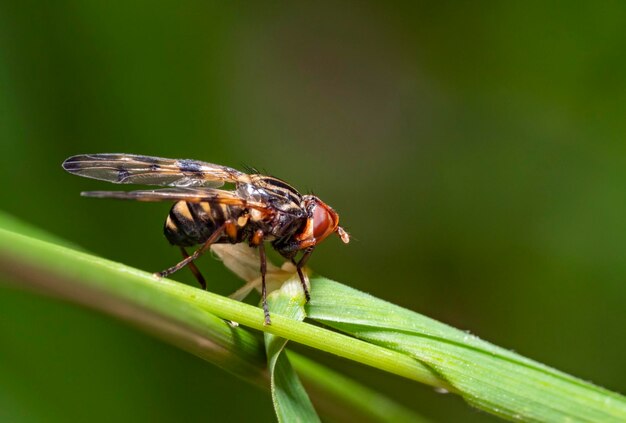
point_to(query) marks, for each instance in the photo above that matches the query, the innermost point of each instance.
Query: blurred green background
(474, 150)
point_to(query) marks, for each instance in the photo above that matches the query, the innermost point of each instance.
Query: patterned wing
(146, 170)
(192, 195)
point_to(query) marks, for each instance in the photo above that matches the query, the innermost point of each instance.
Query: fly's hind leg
(226, 226)
(194, 269)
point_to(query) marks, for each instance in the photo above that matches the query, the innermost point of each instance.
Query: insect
(260, 209)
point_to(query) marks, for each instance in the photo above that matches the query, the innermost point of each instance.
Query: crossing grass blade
(291, 402)
(367, 404)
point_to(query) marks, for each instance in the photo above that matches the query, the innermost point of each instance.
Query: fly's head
(322, 221)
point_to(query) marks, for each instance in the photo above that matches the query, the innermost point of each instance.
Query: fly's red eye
(322, 223)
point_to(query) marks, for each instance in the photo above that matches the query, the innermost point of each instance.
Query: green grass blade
(38, 261)
(291, 402)
(488, 377)
(158, 307)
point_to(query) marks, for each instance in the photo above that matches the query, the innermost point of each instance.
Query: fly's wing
(192, 195)
(146, 170)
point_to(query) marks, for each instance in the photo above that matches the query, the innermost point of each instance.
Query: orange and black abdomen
(193, 223)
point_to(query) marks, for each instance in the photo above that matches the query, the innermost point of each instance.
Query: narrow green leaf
(62, 269)
(168, 310)
(291, 402)
(488, 377)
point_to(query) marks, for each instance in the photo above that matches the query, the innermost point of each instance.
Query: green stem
(80, 269)
(120, 291)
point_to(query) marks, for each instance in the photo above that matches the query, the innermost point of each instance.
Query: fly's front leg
(299, 265)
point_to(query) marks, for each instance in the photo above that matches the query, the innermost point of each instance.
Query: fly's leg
(299, 265)
(207, 244)
(266, 310)
(194, 269)
(257, 239)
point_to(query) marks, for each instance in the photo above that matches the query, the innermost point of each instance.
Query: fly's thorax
(275, 223)
(258, 216)
(272, 191)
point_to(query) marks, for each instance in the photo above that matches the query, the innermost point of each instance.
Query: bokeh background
(475, 151)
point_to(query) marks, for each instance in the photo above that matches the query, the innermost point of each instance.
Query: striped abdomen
(193, 223)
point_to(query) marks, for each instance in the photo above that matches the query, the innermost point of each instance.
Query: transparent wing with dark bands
(191, 195)
(147, 170)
